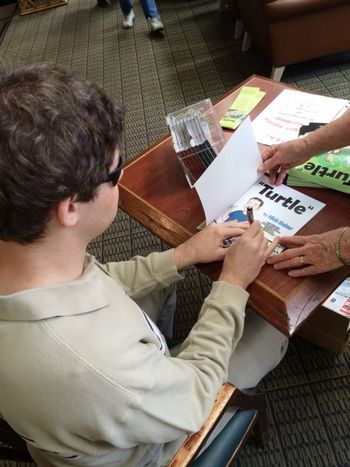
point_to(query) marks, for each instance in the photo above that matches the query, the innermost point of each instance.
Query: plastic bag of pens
(197, 137)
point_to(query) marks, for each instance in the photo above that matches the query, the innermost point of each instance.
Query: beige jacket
(85, 380)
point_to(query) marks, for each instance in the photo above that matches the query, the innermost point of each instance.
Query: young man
(86, 375)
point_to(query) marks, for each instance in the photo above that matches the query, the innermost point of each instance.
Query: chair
(223, 450)
(225, 447)
(292, 31)
(231, 5)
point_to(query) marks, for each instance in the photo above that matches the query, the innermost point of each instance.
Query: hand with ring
(307, 255)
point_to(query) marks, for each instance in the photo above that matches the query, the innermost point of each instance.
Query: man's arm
(141, 275)
(177, 393)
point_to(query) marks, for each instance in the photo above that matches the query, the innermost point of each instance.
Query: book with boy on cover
(281, 210)
(326, 170)
(231, 184)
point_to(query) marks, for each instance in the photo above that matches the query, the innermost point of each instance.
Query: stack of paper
(244, 103)
(327, 170)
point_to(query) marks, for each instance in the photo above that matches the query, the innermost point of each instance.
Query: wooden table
(155, 192)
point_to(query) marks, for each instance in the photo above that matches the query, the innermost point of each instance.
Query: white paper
(281, 120)
(231, 173)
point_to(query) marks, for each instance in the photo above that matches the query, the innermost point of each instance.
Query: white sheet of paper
(231, 173)
(281, 120)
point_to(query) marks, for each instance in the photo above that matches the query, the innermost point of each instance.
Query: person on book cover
(310, 254)
(240, 215)
(87, 376)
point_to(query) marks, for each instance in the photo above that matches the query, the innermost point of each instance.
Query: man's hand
(277, 159)
(308, 255)
(208, 244)
(245, 258)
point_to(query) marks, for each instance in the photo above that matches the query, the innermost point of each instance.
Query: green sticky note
(244, 103)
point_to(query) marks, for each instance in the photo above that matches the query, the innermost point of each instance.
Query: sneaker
(129, 20)
(155, 24)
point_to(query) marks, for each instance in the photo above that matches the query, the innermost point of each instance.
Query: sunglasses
(115, 175)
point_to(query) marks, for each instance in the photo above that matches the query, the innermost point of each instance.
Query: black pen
(250, 215)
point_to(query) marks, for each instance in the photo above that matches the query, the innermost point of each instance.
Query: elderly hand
(308, 255)
(208, 244)
(277, 159)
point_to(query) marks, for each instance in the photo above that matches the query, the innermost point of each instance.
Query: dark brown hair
(58, 135)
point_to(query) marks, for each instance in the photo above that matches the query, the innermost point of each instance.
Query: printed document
(281, 120)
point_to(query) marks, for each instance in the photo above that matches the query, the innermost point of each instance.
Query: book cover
(281, 210)
(329, 170)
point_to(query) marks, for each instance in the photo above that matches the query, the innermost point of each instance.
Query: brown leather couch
(292, 31)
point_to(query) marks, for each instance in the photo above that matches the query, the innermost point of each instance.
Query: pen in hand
(250, 215)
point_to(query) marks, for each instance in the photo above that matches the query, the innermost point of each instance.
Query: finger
(270, 248)
(265, 166)
(267, 153)
(295, 262)
(295, 241)
(287, 255)
(235, 224)
(293, 255)
(255, 228)
(307, 271)
(232, 233)
(281, 176)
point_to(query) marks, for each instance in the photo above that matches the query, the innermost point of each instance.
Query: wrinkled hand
(277, 159)
(307, 255)
(245, 258)
(208, 244)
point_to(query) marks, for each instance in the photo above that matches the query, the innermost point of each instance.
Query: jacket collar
(84, 295)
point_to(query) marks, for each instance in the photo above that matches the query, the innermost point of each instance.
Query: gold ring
(301, 259)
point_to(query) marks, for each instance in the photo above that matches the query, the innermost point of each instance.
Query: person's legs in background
(150, 11)
(128, 12)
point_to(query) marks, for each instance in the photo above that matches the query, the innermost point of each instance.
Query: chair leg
(261, 428)
(250, 399)
(239, 27)
(277, 72)
(247, 42)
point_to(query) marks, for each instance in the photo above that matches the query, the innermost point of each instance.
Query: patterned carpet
(196, 57)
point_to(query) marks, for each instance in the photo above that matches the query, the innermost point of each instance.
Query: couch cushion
(278, 10)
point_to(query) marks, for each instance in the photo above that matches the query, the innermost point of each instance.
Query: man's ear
(67, 212)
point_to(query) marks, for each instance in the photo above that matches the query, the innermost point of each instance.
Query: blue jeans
(149, 7)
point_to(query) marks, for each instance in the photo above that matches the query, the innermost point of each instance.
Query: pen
(250, 215)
